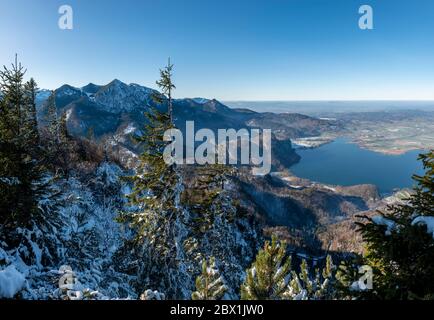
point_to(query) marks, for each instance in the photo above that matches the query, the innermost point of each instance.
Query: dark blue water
(344, 163)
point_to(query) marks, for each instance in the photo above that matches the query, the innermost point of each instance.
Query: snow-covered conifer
(209, 284)
(268, 277)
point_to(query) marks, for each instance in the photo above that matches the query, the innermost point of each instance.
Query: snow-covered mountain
(111, 110)
(118, 97)
(121, 99)
(115, 97)
(79, 237)
(200, 100)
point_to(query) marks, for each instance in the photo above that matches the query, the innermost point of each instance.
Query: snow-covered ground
(81, 236)
(311, 142)
(11, 281)
(78, 251)
(427, 221)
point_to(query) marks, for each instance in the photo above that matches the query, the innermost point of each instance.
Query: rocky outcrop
(309, 215)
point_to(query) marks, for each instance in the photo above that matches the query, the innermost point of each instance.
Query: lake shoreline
(316, 142)
(344, 162)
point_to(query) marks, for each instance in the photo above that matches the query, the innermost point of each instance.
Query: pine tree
(155, 201)
(320, 286)
(63, 128)
(52, 119)
(209, 284)
(400, 244)
(20, 170)
(166, 85)
(30, 124)
(268, 276)
(12, 101)
(206, 197)
(52, 143)
(154, 184)
(65, 145)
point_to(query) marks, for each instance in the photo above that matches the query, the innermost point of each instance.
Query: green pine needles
(166, 85)
(21, 169)
(271, 277)
(266, 279)
(400, 244)
(209, 284)
(155, 186)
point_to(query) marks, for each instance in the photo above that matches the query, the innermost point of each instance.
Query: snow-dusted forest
(87, 217)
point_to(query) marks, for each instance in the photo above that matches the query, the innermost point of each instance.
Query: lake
(344, 163)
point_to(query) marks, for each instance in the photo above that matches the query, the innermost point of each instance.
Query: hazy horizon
(336, 106)
(258, 101)
(231, 50)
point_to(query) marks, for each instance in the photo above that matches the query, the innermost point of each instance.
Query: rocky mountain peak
(118, 96)
(67, 90)
(91, 88)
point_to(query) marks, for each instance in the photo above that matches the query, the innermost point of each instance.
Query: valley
(389, 127)
(392, 133)
(326, 172)
(203, 152)
(313, 216)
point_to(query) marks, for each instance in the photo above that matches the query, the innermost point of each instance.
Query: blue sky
(230, 49)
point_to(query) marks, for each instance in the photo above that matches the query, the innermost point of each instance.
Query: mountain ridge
(107, 110)
(117, 97)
